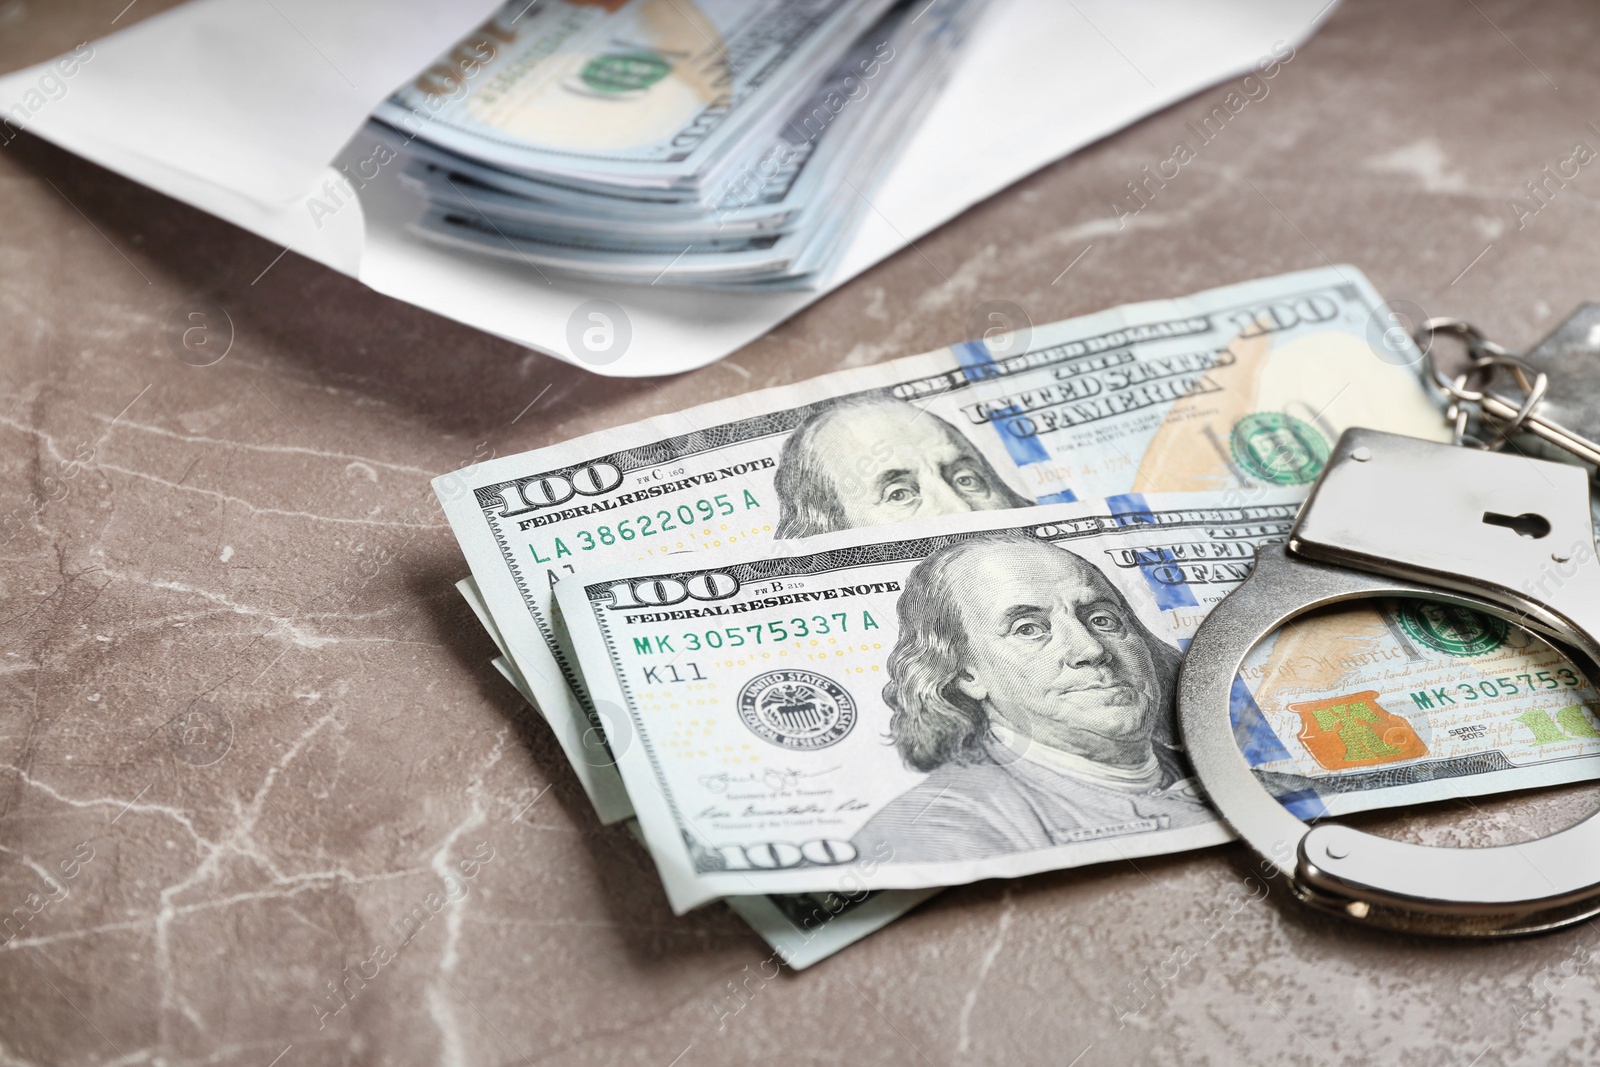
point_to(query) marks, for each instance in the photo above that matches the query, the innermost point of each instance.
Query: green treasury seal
(624, 72)
(1279, 449)
(1453, 630)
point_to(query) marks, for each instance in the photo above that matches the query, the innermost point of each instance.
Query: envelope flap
(255, 96)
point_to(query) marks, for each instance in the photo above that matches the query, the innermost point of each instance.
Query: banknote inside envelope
(837, 644)
(728, 143)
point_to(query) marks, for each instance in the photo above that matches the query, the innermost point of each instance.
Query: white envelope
(244, 108)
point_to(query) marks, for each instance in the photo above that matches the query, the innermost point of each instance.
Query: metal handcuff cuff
(1496, 523)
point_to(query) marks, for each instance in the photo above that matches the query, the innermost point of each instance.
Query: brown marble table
(242, 705)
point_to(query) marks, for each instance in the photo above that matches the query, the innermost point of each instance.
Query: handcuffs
(1465, 524)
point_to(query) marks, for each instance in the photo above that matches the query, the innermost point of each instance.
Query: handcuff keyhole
(1527, 524)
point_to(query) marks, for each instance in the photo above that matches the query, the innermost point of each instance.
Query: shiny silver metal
(1396, 516)
(1535, 413)
(1571, 356)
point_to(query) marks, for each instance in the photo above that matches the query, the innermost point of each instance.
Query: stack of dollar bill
(727, 143)
(837, 644)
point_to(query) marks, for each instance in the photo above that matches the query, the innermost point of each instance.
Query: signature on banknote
(768, 782)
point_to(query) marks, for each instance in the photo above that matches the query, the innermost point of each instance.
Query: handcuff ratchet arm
(1394, 516)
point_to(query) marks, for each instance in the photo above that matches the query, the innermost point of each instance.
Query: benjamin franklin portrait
(869, 460)
(1037, 701)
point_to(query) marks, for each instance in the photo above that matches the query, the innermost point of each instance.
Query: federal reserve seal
(1279, 449)
(1453, 630)
(799, 710)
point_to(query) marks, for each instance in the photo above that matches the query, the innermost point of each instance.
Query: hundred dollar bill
(775, 219)
(1406, 701)
(1246, 386)
(646, 93)
(805, 928)
(968, 697)
(802, 928)
(766, 193)
(989, 696)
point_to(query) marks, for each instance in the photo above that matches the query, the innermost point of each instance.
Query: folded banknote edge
(990, 109)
